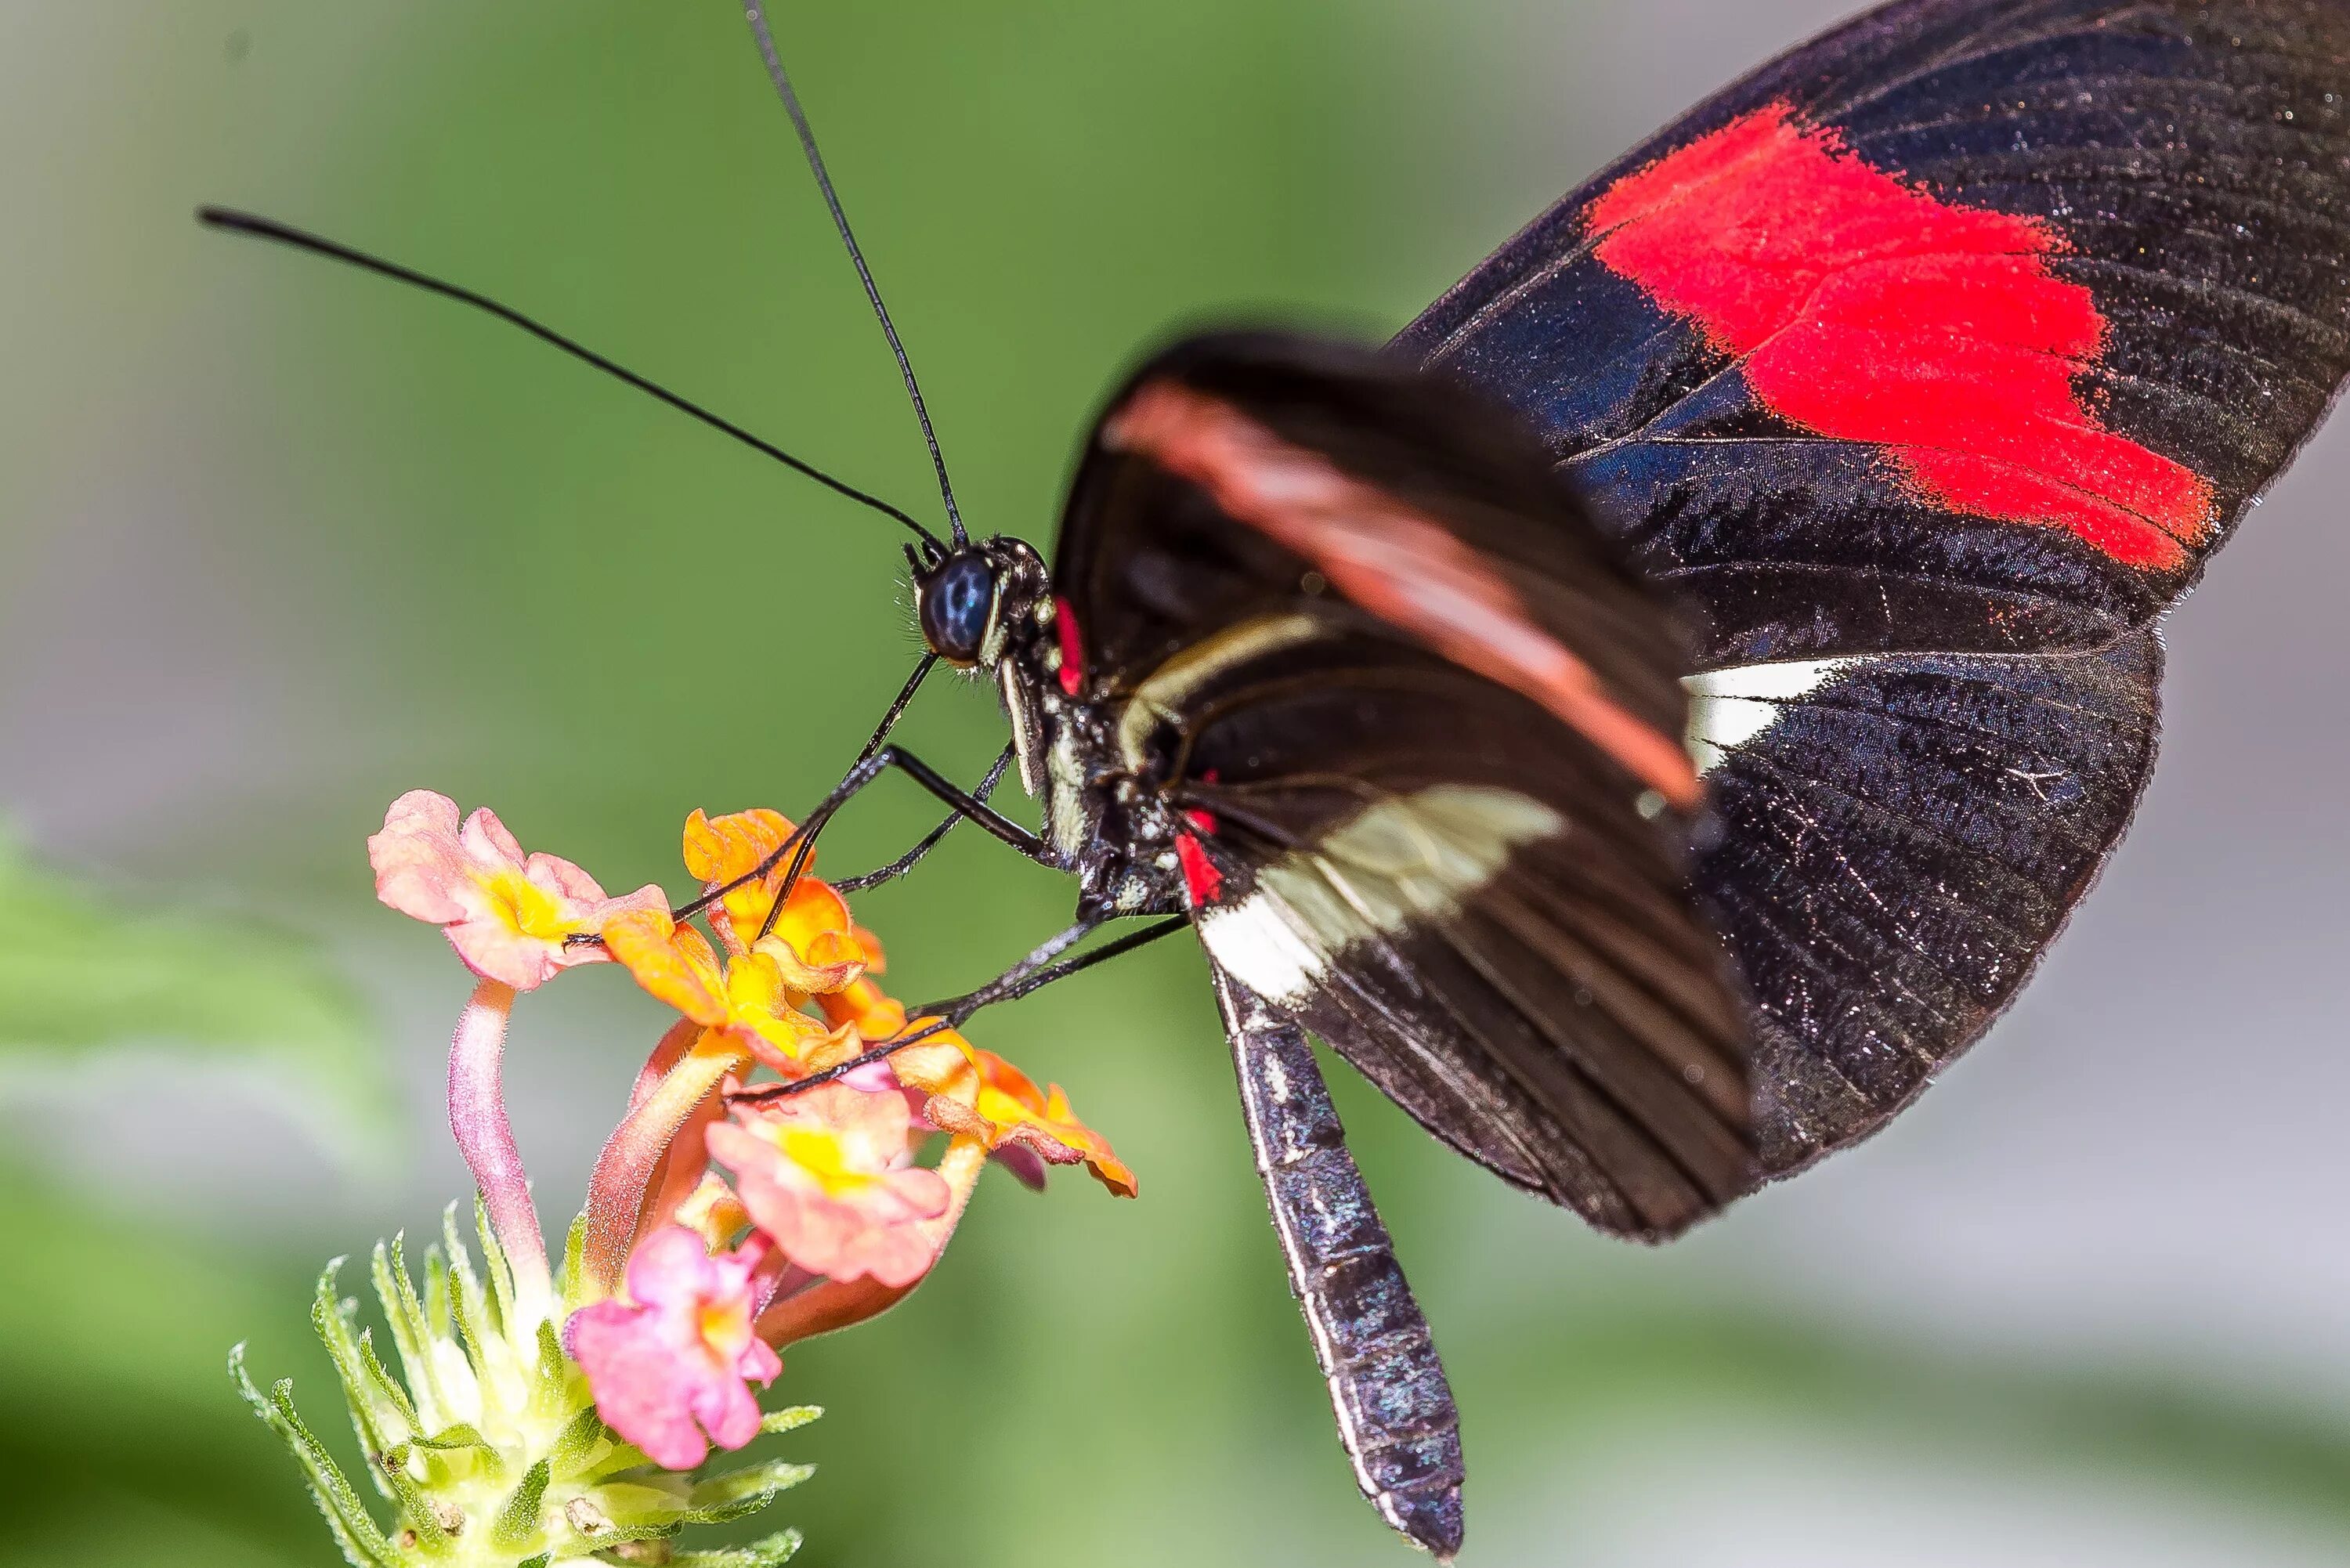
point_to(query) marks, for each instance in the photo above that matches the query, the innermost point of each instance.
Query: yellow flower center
(528, 907)
(819, 1153)
(726, 1328)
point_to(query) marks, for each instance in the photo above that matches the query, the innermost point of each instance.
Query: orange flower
(978, 1095)
(1008, 1108)
(818, 948)
(719, 849)
(816, 945)
(712, 1212)
(745, 997)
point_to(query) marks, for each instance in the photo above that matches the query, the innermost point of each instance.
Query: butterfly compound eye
(956, 602)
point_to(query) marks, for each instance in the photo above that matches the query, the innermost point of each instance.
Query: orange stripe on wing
(1393, 560)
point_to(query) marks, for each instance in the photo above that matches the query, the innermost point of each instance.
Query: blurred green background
(281, 542)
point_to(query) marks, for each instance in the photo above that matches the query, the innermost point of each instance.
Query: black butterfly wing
(1148, 564)
(1969, 326)
(1928, 364)
(1291, 569)
(1417, 865)
(1901, 837)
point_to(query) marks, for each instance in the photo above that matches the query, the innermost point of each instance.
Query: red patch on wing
(1073, 652)
(1395, 561)
(1201, 877)
(1871, 310)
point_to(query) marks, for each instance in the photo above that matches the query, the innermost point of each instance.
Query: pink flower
(510, 917)
(670, 1368)
(825, 1174)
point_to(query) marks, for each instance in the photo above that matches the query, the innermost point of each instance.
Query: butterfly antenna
(270, 229)
(758, 19)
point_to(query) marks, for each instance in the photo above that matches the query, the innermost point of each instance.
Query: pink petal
(670, 1268)
(419, 864)
(725, 1407)
(1026, 1168)
(647, 1385)
(873, 1078)
(422, 812)
(485, 838)
(649, 896)
(657, 1381)
(875, 1231)
(564, 880)
(495, 950)
(759, 1363)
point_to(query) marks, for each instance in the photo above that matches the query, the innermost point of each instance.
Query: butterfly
(1653, 714)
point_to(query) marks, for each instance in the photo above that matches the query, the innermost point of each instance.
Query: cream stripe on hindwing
(1405, 859)
(1730, 707)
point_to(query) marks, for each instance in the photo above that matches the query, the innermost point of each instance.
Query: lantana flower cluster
(550, 1416)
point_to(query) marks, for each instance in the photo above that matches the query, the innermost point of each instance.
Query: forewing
(1242, 475)
(1426, 734)
(1967, 327)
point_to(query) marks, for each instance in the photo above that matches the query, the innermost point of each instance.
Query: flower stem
(477, 1116)
(616, 1193)
(668, 1052)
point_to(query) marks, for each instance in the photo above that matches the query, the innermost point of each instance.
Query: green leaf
(575, 1447)
(767, 1553)
(374, 1401)
(412, 1331)
(500, 1273)
(574, 1282)
(621, 1458)
(434, 1535)
(518, 1523)
(647, 1509)
(379, 1378)
(470, 1305)
(789, 1419)
(455, 1439)
(551, 1378)
(460, 1452)
(88, 974)
(439, 1316)
(743, 1491)
(363, 1543)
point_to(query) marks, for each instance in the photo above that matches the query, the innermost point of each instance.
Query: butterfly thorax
(1101, 821)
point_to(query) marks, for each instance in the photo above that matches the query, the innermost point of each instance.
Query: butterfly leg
(1394, 1410)
(801, 842)
(1031, 974)
(964, 805)
(1037, 971)
(929, 841)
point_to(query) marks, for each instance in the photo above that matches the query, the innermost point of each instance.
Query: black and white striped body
(1394, 1408)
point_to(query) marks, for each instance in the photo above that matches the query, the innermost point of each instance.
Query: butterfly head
(974, 601)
